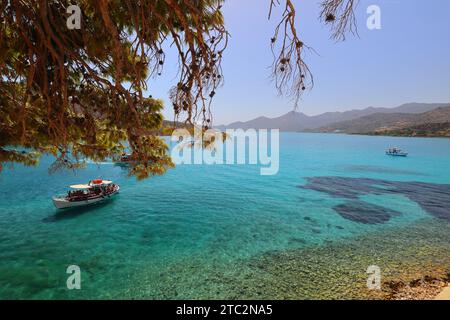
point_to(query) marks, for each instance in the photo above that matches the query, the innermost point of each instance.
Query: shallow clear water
(228, 232)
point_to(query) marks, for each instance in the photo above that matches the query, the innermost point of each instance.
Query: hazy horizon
(341, 110)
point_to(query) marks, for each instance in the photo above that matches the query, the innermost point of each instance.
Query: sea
(337, 208)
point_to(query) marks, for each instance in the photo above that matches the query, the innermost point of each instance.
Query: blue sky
(408, 60)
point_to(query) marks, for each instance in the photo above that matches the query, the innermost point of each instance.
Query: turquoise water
(197, 231)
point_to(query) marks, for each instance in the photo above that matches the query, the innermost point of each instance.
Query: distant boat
(85, 194)
(125, 160)
(396, 152)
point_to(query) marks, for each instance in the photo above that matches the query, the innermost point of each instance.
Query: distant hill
(432, 123)
(168, 126)
(422, 130)
(297, 121)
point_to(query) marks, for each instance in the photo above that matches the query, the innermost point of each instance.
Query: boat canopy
(80, 186)
(94, 183)
(100, 182)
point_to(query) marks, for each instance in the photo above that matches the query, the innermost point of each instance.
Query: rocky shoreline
(426, 288)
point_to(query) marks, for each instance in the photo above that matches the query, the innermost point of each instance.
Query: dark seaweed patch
(364, 212)
(433, 198)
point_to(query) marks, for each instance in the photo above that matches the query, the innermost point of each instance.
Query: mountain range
(296, 121)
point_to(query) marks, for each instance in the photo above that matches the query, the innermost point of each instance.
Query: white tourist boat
(95, 191)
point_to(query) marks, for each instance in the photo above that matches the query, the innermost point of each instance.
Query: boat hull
(397, 154)
(63, 203)
(122, 164)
